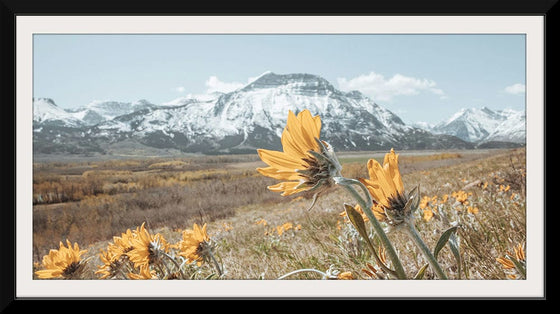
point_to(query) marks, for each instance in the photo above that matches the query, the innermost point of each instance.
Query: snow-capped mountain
(255, 115)
(100, 111)
(45, 111)
(250, 117)
(513, 129)
(484, 125)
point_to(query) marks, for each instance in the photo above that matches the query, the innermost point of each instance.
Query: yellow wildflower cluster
(135, 254)
(261, 222)
(281, 229)
(461, 197)
(429, 206)
(504, 188)
(226, 226)
(472, 210)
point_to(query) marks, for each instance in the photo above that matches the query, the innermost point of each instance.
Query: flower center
(154, 251)
(71, 269)
(397, 211)
(201, 249)
(316, 171)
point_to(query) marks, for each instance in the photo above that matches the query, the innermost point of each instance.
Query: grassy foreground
(260, 235)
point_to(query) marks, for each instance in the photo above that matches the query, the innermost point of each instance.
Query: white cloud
(379, 88)
(214, 84)
(179, 89)
(515, 89)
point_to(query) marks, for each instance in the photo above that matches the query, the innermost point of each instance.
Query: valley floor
(260, 235)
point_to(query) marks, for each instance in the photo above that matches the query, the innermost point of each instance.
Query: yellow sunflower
(146, 248)
(115, 255)
(194, 244)
(111, 264)
(123, 244)
(63, 263)
(387, 190)
(305, 163)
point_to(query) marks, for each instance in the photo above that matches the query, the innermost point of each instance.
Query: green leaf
(357, 221)
(443, 240)
(454, 246)
(421, 272)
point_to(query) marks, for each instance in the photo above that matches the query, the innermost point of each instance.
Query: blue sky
(419, 77)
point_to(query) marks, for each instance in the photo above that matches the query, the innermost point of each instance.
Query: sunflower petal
(298, 133)
(279, 160)
(309, 128)
(288, 188)
(279, 174)
(378, 175)
(290, 146)
(391, 166)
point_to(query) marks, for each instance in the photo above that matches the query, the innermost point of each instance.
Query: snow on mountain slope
(513, 129)
(99, 111)
(256, 115)
(46, 111)
(476, 125)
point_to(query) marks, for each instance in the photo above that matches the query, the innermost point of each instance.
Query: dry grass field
(258, 234)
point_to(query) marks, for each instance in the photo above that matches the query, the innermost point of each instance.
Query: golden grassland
(262, 235)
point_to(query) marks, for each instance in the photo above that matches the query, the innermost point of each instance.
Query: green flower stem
(301, 271)
(123, 274)
(175, 263)
(162, 272)
(401, 274)
(215, 263)
(413, 234)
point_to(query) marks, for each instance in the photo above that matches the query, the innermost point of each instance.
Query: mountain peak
(298, 80)
(143, 102)
(487, 110)
(44, 100)
(45, 109)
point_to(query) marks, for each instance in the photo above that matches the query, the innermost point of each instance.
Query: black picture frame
(9, 9)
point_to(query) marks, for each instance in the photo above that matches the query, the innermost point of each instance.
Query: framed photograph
(279, 156)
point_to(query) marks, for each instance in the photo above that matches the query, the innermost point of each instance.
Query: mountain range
(254, 116)
(483, 125)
